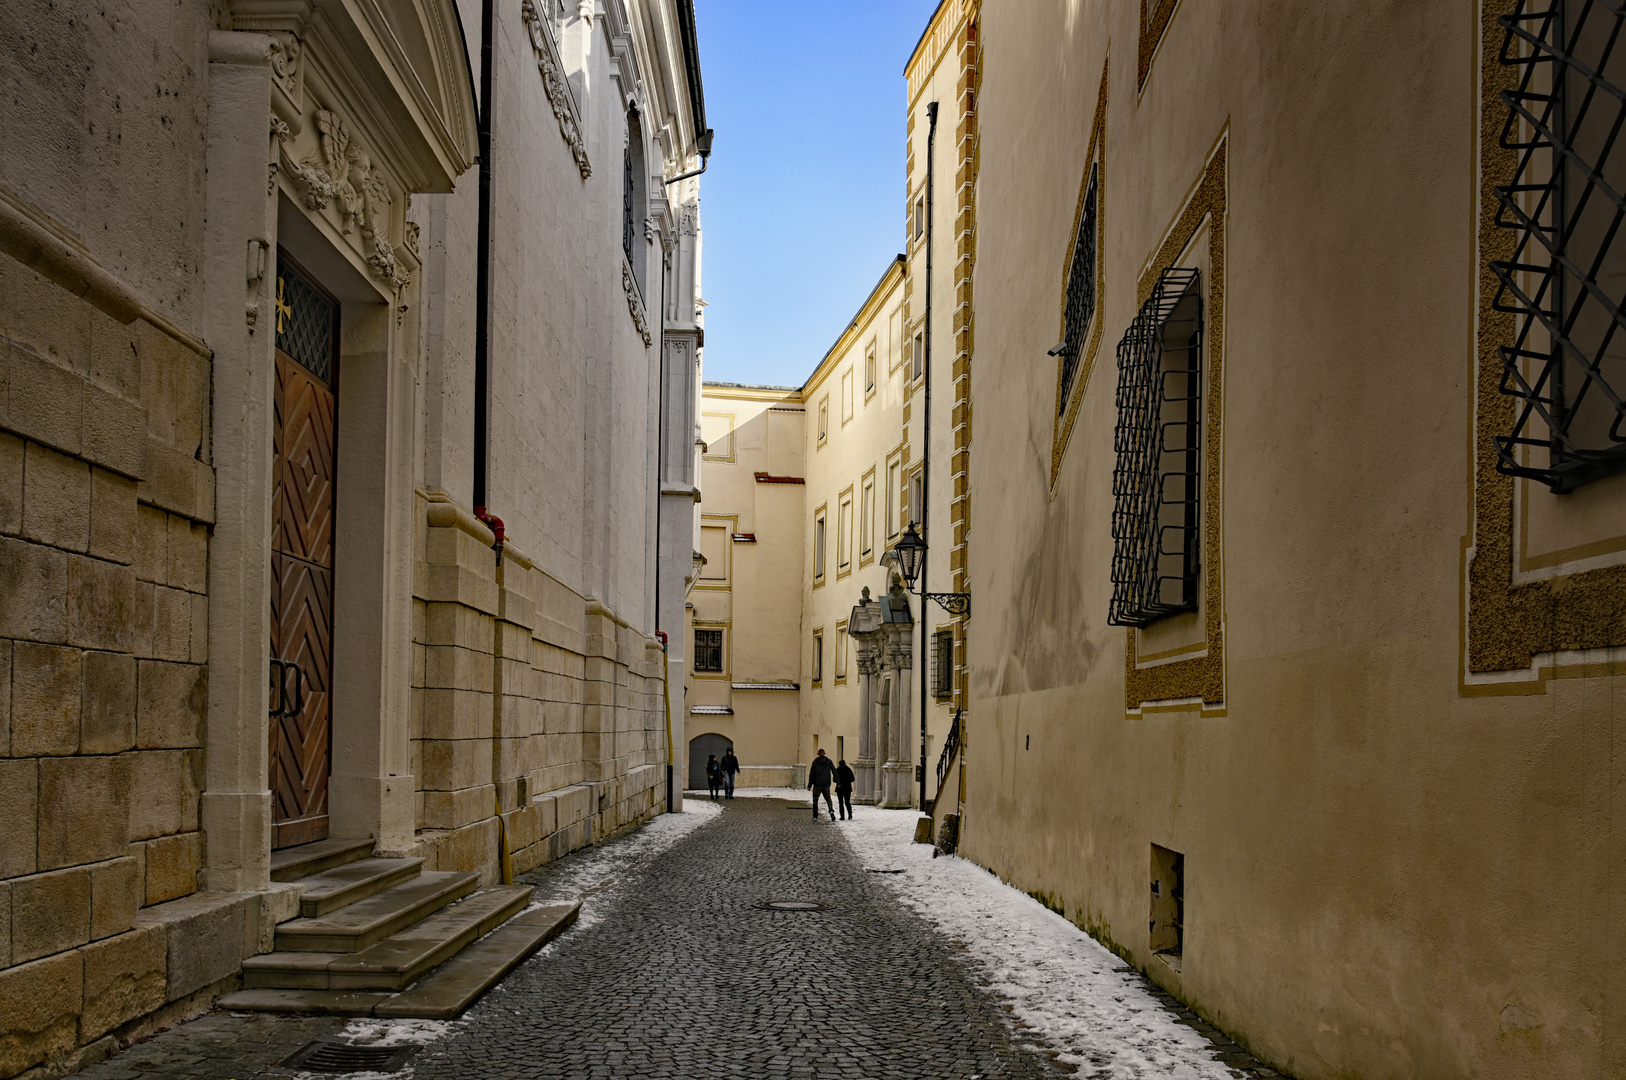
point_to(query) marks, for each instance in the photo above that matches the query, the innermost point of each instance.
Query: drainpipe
(926, 445)
(482, 271)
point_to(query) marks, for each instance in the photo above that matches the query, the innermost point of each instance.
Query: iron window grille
(708, 650)
(1080, 293)
(1156, 485)
(1566, 279)
(943, 664)
(307, 319)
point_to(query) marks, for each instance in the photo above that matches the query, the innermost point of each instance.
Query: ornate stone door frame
(324, 118)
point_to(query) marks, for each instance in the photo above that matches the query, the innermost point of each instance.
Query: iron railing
(951, 746)
(1564, 283)
(1156, 485)
(1080, 292)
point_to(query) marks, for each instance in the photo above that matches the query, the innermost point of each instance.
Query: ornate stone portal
(883, 635)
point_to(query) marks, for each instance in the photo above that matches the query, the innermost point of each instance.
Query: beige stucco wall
(745, 589)
(1394, 868)
(856, 447)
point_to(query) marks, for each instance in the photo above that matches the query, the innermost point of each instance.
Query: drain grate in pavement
(331, 1057)
(872, 870)
(791, 905)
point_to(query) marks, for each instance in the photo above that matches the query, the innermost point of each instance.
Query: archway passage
(302, 558)
(701, 747)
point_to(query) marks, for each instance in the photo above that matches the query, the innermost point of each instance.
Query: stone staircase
(383, 937)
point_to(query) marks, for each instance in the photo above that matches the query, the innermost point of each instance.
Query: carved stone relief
(554, 83)
(635, 305)
(341, 175)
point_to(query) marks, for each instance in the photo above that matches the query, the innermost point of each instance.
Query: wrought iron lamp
(909, 553)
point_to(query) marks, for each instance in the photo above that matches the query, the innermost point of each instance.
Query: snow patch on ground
(1075, 995)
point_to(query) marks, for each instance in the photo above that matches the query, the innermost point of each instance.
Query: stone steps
(291, 864)
(398, 960)
(444, 993)
(343, 885)
(366, 922)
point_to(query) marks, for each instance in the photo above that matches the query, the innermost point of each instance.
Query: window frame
(841, 654)
(820, 542)
(816, 674)
(866, 519)
(870, 374)
(720, 646)
(1140, 473)
(942, 678)
(844, 532)
(824, 420)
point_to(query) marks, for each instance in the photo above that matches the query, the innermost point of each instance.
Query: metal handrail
(951, 746)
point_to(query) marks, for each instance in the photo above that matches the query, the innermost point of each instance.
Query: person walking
(714, 775)
(819, 775)
(844, 789)
(731, 765)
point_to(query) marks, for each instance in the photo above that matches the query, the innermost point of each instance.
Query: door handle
(279, 692)
(299, 689)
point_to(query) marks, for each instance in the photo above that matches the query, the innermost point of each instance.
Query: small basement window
(1168, 922)
(1156, 485)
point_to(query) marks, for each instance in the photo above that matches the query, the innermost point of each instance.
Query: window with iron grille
(1566, 279)
(1080, 293)
(708, 650)
(943, 664)
(1156, 514)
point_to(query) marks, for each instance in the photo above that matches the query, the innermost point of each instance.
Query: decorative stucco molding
(554, 83)
(342, 175)
(635, 304)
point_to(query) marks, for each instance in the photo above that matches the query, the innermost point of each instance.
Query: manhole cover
(791, 905)
(331, 1057)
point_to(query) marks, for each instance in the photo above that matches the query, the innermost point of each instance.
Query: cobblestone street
(675, 971)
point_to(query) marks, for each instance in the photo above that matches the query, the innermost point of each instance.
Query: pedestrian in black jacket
(714, 775)
(731, 765)
(844, 789)
(819, 775)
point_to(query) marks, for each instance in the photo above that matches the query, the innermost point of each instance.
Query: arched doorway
(701, 747)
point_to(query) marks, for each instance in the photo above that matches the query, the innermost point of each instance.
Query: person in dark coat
(714, 775)
(731, 765)
(844, 789)
(819, 775)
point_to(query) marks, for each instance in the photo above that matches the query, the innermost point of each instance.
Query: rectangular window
(818, 656)
(844, 533)
(1081, 290)
(846, 395)
(866, 520)
(919, 356)
(1156, 534)
(841, 654)
(708, 650)
(914, 507)
(920, 216)
(894, 498)
(943, 664)
(869, 369)
(841, 748)
(894, 339)
(824, 419)
(1565, 281)
(818, 545)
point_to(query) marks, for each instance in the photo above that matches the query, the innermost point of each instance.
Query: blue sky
(802, 205)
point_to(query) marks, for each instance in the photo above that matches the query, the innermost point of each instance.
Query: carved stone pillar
(864, 766)
(897, 774)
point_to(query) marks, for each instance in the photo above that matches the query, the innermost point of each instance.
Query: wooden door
(302, 573)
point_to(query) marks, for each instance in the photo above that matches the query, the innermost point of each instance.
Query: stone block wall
(530, 702)
(106, 498)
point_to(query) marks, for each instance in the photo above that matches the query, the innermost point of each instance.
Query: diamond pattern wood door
(302, 601)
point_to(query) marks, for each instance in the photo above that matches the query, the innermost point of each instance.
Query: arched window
(634, 196)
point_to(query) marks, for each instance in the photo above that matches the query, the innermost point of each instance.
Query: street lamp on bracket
(909, 556)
